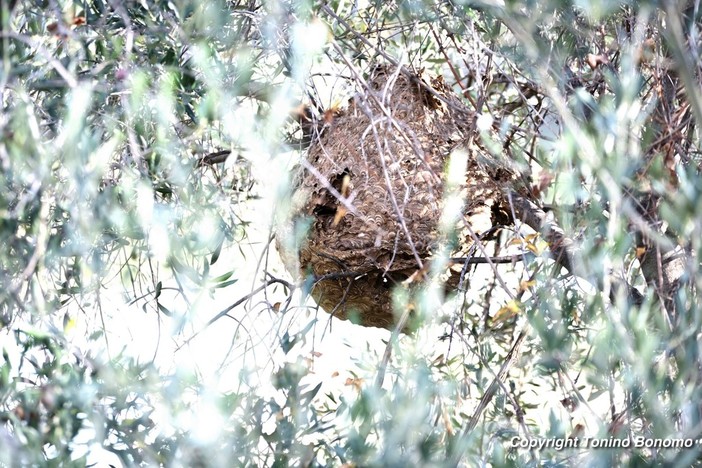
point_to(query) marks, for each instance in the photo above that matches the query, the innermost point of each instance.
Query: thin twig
(487, 260)
(231, 307)
(497, 382)
(408, 73)
(401, 324)
(57, 65)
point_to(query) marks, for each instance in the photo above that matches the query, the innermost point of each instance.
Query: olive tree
(146, 154)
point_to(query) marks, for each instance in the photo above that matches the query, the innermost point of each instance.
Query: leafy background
(145, 154)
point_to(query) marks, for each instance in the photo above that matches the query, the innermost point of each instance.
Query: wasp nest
(371, 192)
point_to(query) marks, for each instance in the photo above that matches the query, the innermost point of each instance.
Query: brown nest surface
(372, 192)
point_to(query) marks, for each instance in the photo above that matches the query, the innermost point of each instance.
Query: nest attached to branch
(372, 191)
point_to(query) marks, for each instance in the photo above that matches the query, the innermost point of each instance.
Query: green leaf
(164, 310)
(225, 283)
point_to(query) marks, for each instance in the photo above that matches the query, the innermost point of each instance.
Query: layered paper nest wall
(372, 194)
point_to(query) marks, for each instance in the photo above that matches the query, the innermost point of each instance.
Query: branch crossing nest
(372, 194)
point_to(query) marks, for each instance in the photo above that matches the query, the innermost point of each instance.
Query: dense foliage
(144, 156)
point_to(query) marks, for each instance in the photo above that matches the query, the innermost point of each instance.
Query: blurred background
(147, 158)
